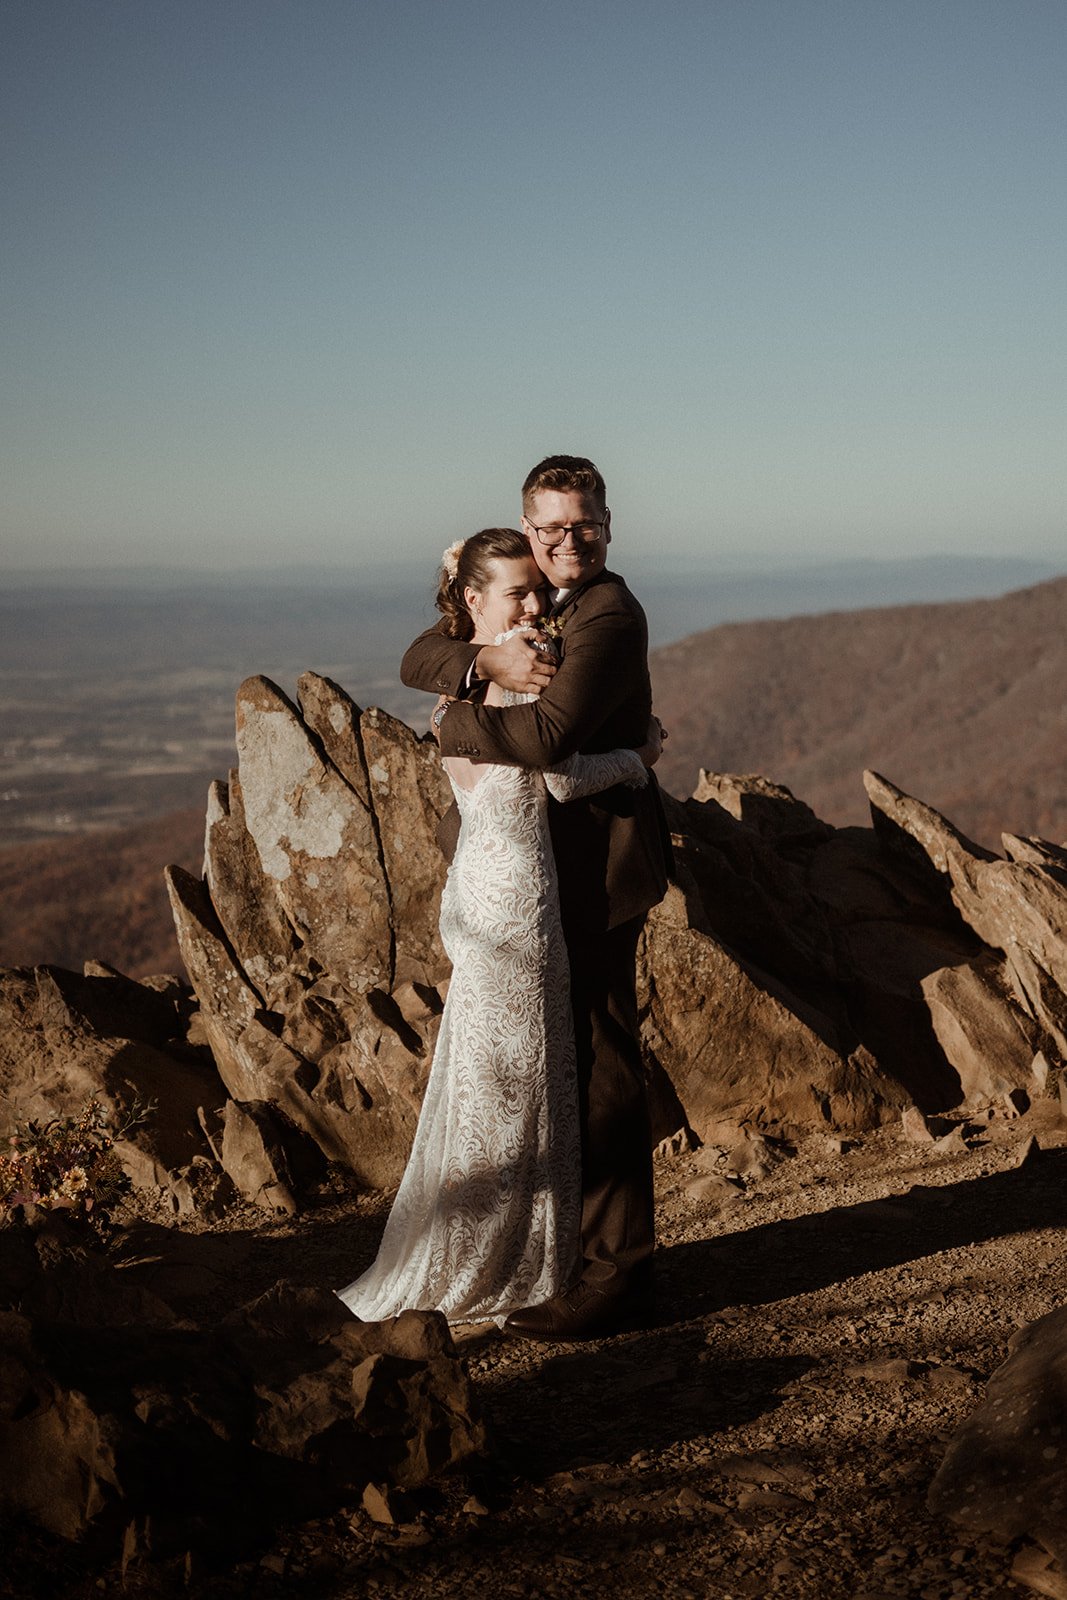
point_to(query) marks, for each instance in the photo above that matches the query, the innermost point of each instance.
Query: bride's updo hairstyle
(469, 565)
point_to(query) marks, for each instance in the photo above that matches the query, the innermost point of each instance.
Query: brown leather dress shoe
(583, 1312)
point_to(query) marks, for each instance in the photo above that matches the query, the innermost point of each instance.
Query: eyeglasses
(580, 532)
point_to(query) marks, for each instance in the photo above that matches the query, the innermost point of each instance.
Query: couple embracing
(527, 1199)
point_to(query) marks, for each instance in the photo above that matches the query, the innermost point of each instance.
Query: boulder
(1003, 1473)
(113, 1413)
(736, 1048)
(321, 898)
(988, 1040)
(800, 977)
(769, 809)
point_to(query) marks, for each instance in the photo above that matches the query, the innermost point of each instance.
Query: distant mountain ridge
(962, 703)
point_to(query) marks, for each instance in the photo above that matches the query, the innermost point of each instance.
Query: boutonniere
(552, 629)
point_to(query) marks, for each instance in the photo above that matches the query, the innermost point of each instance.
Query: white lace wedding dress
(487, 1216)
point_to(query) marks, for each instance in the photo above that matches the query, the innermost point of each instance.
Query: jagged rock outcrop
(118, 1416)
(798, 976)
(1016, 906)
(313, 942)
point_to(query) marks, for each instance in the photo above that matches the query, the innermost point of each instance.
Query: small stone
(915, 1127)
(273, 1563)
(1040, 1572)
(676, 1145)
(1039, 1073)
(377, 1503)
(714, 1190)
(891, 1370)
(473, 1507)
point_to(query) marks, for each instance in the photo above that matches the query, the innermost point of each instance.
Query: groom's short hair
(564, 473)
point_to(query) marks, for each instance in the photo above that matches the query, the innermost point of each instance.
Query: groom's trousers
(617, 1209)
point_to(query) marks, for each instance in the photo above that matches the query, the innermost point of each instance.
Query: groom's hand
(517, 664)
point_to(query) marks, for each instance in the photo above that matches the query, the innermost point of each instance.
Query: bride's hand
(652, 748)
(517, 664)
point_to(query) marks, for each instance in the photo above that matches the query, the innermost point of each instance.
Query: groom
(611, 855)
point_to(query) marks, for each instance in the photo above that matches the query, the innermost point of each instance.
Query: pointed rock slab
(244, 897)
(1040, 997)
(316, 840)
(358, 1101)
(334, 718)
(253, 1154)
(1003, 1473)
(411, 794)
(897, 818)
(735, 1050)
(228, 1003)
(253, 1062)
(1012, 904)
(985, 1037)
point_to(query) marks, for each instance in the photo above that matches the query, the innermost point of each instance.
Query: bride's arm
(580, 775)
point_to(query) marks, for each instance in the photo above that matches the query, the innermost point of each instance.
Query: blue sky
(317, 282)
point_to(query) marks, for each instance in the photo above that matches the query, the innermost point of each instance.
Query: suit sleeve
(603, 664)
(437, 663)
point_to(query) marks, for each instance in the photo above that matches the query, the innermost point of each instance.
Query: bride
(486, 1219)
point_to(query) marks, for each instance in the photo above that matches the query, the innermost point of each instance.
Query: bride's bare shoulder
(464, 773)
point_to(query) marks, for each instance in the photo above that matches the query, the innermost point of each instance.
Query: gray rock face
(315, 838)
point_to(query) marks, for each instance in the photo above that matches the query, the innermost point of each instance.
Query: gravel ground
(824, 1327)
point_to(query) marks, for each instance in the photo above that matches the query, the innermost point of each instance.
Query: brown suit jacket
(612, 851)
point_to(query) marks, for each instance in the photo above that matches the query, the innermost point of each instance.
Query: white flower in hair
(450, 559)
